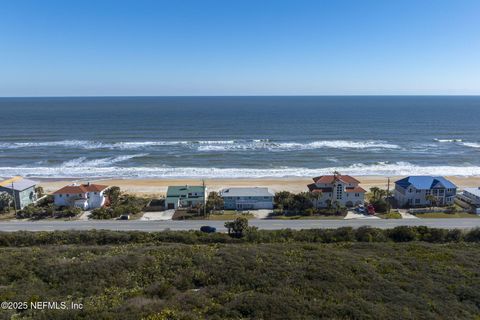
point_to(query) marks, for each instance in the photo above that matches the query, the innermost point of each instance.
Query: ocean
(239, 137)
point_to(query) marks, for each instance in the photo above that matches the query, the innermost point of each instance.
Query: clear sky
(239, 47)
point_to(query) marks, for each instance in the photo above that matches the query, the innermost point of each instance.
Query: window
(428, 192)
(410, 190)
(60, 195)
(357, 194)
(417, 191)
(339, 191)
(417, 201)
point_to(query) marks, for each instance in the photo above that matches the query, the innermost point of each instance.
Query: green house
(185, 196)
(22, 189)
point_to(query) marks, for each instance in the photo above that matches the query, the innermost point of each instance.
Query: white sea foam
(207, 145)
(383, 168)
(82, 162)
(448, 140)
(471, 144)
(293, 146)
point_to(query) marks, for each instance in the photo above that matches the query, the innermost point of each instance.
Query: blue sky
(239, 47)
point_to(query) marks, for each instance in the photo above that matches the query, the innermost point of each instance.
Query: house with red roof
(343, 189)
(87, 196)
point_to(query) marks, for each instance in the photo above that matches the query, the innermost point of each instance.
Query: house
(337, 188)
(472, 197)
(84, 196)
(247, 198)
(415, 191)
(22, 189)
(185, 196)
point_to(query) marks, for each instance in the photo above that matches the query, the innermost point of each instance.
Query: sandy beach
(158, 187)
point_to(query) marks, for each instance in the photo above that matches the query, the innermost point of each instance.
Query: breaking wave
(448, 140)
(471, 144)
(103, 162)
(83, 169)
(208, 145)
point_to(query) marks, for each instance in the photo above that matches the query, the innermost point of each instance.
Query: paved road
(262, 224)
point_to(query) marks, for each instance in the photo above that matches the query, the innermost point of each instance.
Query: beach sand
(158, 187)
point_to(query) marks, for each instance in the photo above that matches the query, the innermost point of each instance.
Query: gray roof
(475, 191)
(246, 192)
(19, 184)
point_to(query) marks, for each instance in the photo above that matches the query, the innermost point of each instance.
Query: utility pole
(388, 195)
(14, 200)
(204, 199)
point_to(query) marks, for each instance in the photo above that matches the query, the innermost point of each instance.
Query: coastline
(158, 187)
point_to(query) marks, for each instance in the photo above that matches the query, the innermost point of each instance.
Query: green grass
(229, 216)
(391, 215)
(446, 215)
(307, 217)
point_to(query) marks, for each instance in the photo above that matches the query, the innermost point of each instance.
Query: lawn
(307, 217)
(229, 216)
(431, 215)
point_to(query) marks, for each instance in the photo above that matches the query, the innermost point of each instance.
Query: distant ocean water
(229, 137)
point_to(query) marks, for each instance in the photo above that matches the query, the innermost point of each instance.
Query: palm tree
(432, 199)
(375, 192)
(318, 194)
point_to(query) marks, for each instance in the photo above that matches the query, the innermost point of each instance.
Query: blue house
(414, 191)
(22, 189)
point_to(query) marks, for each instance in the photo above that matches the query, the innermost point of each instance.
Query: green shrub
(402, 234)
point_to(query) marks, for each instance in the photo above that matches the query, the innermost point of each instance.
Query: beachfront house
(417, 191)
(23, 191)
(87, 196)
(472, 197)
(343, 190)
(185, 196)
(247, 198)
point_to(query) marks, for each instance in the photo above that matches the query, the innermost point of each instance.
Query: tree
(283, 200)
(39, 192)
(113, 195)
(303, 201)
(432, 199)
(238, 226)
(6, 201)
(317, 195)
(375, 192)
(214, 201)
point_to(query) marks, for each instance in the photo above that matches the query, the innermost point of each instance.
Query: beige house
(343, 189)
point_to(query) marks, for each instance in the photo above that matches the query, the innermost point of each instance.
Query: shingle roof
(19, 183)
(246, 192)
(329, 179)
(82, 188)
(424, 182)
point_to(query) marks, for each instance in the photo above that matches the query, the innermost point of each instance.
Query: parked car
(124, 217)
(208, 229)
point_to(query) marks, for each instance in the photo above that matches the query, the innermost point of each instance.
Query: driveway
(406, 215)
(353, 215)
(158, 215)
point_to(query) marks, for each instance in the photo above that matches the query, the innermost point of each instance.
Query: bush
(402, 234)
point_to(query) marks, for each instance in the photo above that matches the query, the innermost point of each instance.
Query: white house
(472, 197)
(414, 191)
(247, 198)
(343, 189)
(84, 196)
